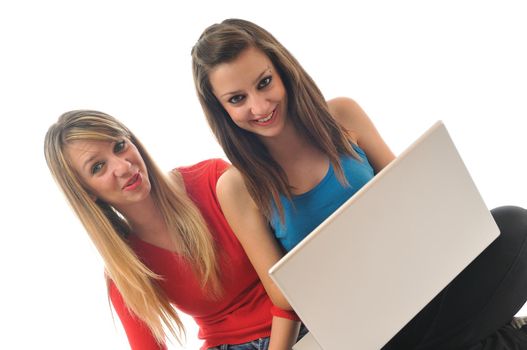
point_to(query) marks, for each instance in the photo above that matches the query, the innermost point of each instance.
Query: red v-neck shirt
(242, 314)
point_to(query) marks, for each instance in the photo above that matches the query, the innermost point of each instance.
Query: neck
(294, 153)
(145, 218)
(290, 147)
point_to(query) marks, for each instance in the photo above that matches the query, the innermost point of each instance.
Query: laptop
(372, 265)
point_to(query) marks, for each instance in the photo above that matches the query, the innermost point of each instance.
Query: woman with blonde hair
(297, 157)
(163, 238)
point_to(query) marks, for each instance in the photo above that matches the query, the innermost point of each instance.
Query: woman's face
(111, 171)
(251, 91)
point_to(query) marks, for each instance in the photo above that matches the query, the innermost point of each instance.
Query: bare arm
(251, 229)
(260, 245)
(284, 333)
(351, 116)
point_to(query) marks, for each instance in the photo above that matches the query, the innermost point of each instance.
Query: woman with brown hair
(297, 157)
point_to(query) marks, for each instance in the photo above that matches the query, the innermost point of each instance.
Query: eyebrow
(267, 69)
(87, 161)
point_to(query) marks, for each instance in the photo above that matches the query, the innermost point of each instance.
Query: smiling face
(251, 91)
(112, 171)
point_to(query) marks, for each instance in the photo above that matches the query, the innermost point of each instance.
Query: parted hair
(109, 230)
(306, 107)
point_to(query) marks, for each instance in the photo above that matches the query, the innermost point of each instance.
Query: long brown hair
(306, 107)
(108, 229)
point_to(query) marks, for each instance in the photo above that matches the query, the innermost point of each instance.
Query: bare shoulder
(231, 189)
(251, 228)
(363, 132)
(230, 181)
(349, 114)
(342, 105)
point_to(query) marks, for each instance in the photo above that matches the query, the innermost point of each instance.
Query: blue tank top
(307, 210)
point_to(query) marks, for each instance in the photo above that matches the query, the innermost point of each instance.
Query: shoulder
(350, 115)
(208, 165)
(231, 182)
(232, 191)
(346, 111)
(362, 131)
(340, 106)
(199, 180)
(210, 169)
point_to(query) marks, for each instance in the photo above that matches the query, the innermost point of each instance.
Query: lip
(270, 121)
(133, 182)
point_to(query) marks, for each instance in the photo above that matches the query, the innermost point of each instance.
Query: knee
(511, 220)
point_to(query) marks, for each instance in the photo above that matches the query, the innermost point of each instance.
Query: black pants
(481, 299)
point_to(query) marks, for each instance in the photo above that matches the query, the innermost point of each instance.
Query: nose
(121, 166)
(259, 105)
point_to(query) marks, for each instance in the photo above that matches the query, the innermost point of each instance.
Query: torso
(307, 210)
(299, 179)
(243, 312)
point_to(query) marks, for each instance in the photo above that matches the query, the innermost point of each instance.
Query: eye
(96, 167)
(264, 82)
(235, 99)
(119, 146)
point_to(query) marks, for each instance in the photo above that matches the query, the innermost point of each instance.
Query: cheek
(281, 92)
(236, 114)
(283, 99)
(101, 187)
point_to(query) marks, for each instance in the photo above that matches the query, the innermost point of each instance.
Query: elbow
(281, 302)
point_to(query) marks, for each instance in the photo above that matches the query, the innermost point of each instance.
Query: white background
(408, 63)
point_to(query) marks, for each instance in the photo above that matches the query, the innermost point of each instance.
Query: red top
(243, 312)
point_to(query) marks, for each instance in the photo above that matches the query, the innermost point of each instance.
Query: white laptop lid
(370, 267)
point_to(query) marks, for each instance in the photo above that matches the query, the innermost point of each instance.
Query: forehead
(79, 151)
(241, 72)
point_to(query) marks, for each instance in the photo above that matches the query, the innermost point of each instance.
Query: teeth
(263, 120)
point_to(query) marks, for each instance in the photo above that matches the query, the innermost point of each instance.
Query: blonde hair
(109, 230)
(306, 107)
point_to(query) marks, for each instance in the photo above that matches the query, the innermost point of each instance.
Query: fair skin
(251, 91)
(115, 173)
